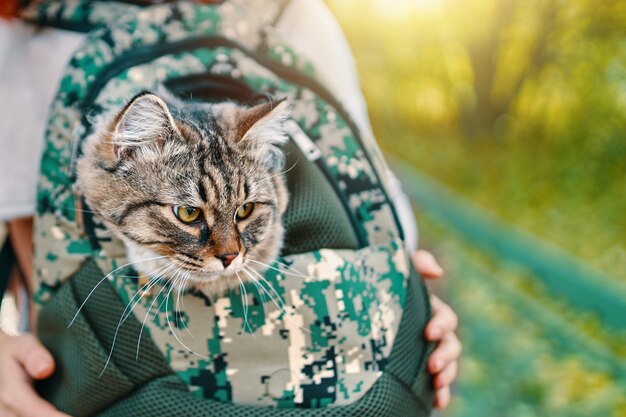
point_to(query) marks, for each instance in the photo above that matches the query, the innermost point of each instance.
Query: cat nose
(227, 258)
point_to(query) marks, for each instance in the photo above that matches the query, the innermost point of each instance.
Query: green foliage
(519, 105)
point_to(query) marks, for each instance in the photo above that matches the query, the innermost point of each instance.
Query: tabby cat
(194, 190)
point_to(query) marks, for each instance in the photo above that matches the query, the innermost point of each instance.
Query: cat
(194, 190)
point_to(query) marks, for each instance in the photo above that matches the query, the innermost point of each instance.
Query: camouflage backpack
(342, 335)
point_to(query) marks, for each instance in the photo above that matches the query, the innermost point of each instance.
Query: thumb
(34, 357)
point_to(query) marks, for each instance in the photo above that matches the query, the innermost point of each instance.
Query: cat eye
(244, 211)
(187, 214)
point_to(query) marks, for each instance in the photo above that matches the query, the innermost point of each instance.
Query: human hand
(22, 359)
(443, 362)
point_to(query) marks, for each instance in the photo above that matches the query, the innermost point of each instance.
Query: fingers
(442, 382)
(21, 358)
(23, 401)
(33, 357)
(447, 352)
(444, 320)
(447, 375)
(426, 264)
(443, 362)
(442, 398)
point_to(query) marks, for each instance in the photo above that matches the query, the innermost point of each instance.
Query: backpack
(339, 332)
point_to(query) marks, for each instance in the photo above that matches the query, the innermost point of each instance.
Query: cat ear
(146, 120)
(258, 128)
(263, 123)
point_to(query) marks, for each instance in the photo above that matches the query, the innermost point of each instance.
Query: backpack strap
(76, 16)
(86, 15)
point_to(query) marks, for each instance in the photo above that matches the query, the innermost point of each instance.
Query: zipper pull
(302, 140)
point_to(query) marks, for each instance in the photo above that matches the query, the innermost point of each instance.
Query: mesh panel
(411, 351)
(315, 217)
(82, 349)
(149, 387)
(410, 347)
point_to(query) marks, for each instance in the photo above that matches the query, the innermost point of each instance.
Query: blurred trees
(518, 104)
(540, 61)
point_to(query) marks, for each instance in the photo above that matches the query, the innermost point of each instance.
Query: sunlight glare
(401, 8)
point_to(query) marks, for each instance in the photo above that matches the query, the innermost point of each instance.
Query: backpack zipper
(313, 153)
(303, 141)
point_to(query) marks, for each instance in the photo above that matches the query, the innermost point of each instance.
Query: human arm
(22, 358)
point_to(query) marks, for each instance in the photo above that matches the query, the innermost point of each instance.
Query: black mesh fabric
(315, 217)
(81, 350)
(148, 387)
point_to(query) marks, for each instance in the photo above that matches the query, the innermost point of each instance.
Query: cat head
(198, 185)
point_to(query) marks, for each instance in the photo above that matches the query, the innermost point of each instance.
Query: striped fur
(154, 155)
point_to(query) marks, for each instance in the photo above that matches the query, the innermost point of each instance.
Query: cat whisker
(142, 292)
(297, 273)
(174, 333)
(286, 265)
(180, 282)
(186, 277)
(249, 272)
(244, 303)
(264, 290)
(184, 285)
(104, 279)
(261, 295)
(175, 310)
(281, 307)
(143, 324)
(127, 312)
(245, 315)
(156, 312)
(178, 291)
(74, 209)
(285, 171)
